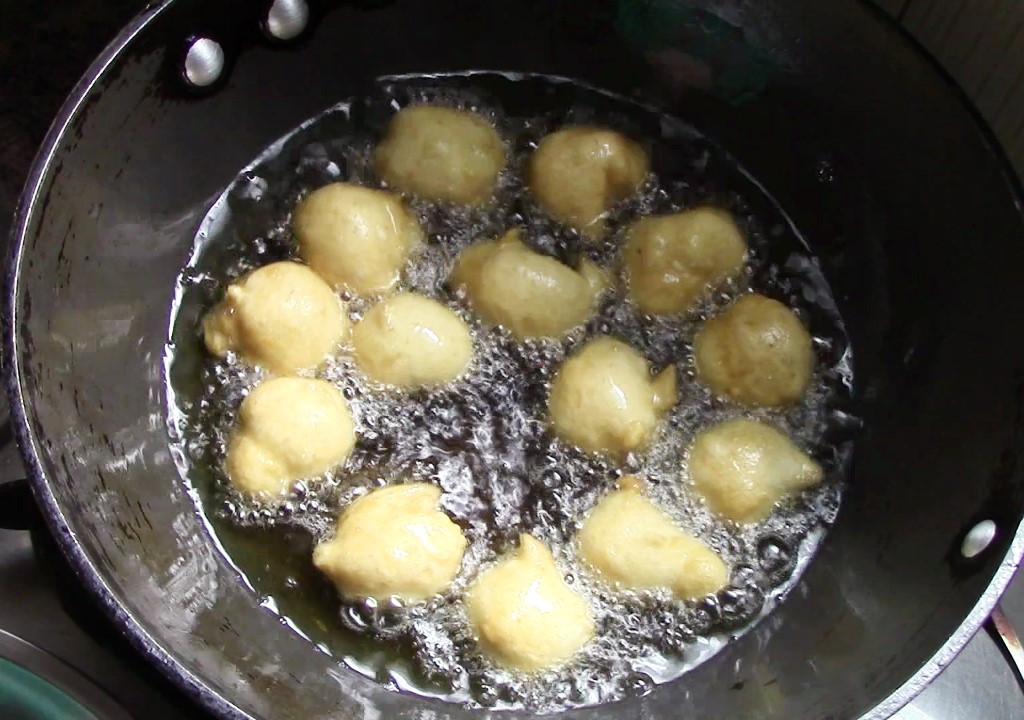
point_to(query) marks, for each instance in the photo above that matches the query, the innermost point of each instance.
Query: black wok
(873, 152)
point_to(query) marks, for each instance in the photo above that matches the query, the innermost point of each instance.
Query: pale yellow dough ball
(288, 429)
(579, 173)
(604, 400)
(531, 294)
(355, 238)
(524, 614)
(412, 341)
(756, 352)
(672, 260)
(632, 543)
(441, 153)
(743, 467)
(282, 317)
(393, 542)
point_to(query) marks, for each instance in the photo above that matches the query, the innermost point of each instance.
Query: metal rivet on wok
(204, 62)
(978, 539)
(287, 18)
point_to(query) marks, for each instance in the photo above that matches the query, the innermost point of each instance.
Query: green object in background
(712, 53)
(25, 696)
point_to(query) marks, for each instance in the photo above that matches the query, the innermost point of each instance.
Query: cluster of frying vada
(396, 541)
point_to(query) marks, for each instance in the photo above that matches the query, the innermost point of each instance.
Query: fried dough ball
(743, 467)
(524, 614)
(288, 429)
(604, 400)
(531, 294)
(393, 542)
(672, 260)
(281, 316)
(441, 153)
(632, 543)
(412, 341)
(355, 238)
(756, 352)
(579, 173)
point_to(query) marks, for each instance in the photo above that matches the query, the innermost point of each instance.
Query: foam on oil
(483, 439)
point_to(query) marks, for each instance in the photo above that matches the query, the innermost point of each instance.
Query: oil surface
(483, 439)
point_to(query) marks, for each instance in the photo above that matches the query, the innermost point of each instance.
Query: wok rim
(139, 637)
(194, 687)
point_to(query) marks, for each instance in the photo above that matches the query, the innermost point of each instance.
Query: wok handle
(17, 508)
(1002, 631)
